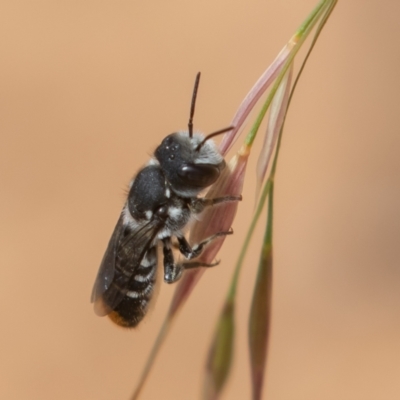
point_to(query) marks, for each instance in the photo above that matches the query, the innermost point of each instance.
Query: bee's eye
(162, 211)
(199, 175)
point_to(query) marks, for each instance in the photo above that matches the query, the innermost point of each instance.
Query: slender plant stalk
(151, 358)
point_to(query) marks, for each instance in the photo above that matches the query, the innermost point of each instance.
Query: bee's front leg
(199, 204)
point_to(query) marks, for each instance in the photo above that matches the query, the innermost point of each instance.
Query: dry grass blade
(276, 116)
(260, 314)
(255, 94)
(219, 360)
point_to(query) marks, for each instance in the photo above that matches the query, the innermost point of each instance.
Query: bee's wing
(125, 250)
(107, 266)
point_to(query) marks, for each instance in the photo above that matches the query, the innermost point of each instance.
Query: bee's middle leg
(194, 251)
(173, 271)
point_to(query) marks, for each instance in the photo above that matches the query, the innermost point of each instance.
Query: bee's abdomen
(133, 307)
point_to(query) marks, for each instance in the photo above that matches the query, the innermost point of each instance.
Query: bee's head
(190, 164)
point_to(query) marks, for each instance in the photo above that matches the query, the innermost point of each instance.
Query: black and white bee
(161, 201)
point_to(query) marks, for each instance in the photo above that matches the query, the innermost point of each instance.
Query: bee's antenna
(211, 135)
(196, 86)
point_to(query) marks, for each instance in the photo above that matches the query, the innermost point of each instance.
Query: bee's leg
(193, 252)
(172, 271)
(198, 205)
(198, 264)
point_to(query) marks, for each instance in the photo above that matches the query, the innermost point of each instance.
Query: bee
(162, 199)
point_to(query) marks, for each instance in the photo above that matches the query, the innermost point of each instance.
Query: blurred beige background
(88, 89)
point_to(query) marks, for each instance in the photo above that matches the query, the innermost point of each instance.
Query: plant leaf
(260, 312)
(220, 355)
(254, 95)
(277, 113)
